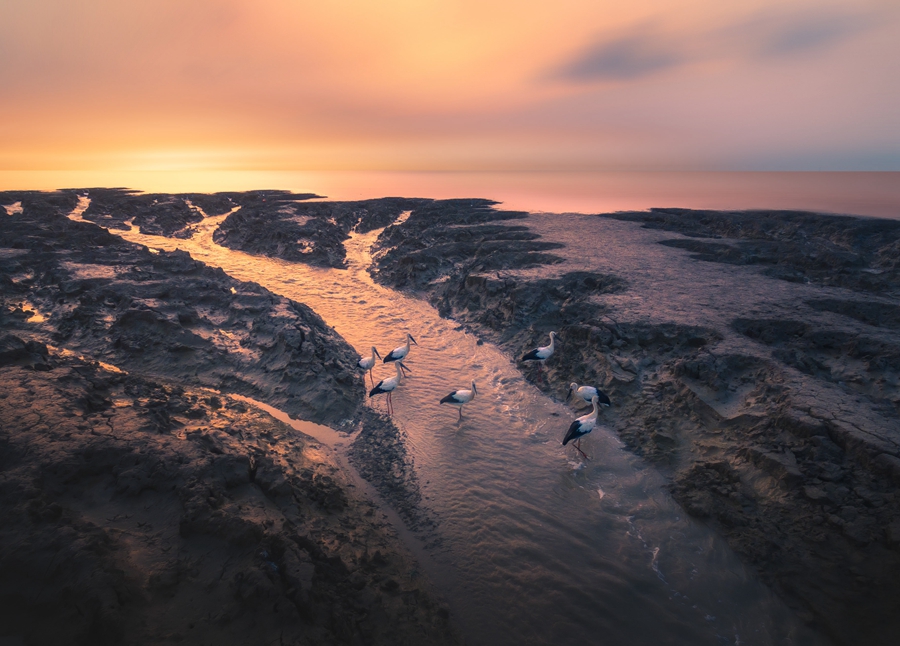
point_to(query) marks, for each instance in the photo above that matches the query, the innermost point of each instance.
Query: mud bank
(227, 527)
(781, 432)
(857, 253)
(311, 233)
(143, 503)
(165, 314)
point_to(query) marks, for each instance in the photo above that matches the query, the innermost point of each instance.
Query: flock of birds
(578, 429)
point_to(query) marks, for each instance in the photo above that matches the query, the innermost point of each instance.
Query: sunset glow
(570, 85)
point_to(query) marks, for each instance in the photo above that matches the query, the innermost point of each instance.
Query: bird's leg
(390, 407)
(460, 414)
(577, 445)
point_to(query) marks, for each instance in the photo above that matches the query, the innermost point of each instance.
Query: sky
(438, 85)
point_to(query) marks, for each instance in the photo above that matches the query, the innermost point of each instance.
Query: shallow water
(536, 545)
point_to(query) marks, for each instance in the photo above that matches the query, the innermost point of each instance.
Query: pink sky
(465, 85)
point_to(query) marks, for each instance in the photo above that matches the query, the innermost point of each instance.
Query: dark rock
(781, 465)
(12, 348)
(815, 494)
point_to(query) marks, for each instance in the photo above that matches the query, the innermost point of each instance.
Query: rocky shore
(144, 503)
(784, 434)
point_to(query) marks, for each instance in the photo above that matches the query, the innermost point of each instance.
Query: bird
(367, 363)
(388, 386)
(582, 426)
(588, 392)
(460, 398)
(398, 354)
(543, 353)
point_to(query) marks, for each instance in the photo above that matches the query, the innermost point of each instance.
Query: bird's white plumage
(587, 393)
(367, 363)
(460, 398)
(388, 385)
(542, 353)
(399, 353)
(584, 424)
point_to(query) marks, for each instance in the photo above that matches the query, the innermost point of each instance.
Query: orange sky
(403, 84)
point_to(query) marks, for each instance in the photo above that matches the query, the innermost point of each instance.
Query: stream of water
(536, 545)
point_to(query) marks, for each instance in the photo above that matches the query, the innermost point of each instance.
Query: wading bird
(460, 398)
(367, 363)
(388, 386)
(543, 353)
(587, 393)
(582, 426)
(399, 354)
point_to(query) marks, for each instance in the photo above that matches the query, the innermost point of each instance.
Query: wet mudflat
(757, 368)
(143, 502)
(530, 543)
(740, 490)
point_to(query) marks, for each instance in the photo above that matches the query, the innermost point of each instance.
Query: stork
(587, 393)
(543, 353)
(460, 398)
(398, 354)
(582, 426)
(388, 386)
(367, 363)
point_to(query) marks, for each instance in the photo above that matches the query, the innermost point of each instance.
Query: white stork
(388, 386)
(543, 353)
(582, 426)
(399, 354)
(460, 398)
(367, 363)
(587, 393)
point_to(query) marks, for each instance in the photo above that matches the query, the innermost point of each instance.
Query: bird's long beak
(412, 339)
(375, 350)
(474, 389)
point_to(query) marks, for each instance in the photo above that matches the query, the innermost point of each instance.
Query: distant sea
(855, 193)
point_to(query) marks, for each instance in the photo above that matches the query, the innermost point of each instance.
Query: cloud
(784, 36)
(645, 52)
(623, 59)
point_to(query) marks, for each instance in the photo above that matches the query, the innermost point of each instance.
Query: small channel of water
(537, 546)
